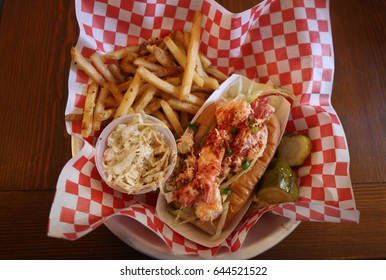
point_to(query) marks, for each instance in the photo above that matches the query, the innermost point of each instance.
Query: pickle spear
(278, 185)
(294, 149)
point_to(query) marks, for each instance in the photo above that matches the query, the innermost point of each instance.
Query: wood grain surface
(36, 37)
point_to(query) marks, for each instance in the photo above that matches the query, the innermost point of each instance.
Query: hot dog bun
(244, 186)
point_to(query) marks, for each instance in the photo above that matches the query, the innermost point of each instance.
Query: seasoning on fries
(169, 78)
(89, 109)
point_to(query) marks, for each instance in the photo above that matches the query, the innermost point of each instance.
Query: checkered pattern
(286, 42)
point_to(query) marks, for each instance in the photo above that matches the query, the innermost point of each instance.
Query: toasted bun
(244, 186)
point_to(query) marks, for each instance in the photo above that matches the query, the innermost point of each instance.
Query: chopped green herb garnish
(194, 126)
(250, 121)
(245, 165)
(226, 191)
(234, 130)
(228, 152)
(255, 129)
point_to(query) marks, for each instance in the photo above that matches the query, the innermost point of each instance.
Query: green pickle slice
(294, 149)
(278, 184)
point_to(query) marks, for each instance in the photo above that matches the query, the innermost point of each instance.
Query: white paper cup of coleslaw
(134, 184)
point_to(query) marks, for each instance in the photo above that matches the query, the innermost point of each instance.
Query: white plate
(266, 233)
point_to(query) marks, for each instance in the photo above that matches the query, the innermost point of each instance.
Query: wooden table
(36, 37)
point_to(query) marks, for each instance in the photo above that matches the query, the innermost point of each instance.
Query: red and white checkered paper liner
(286, 42)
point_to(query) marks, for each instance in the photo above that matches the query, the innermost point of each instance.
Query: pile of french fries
(169, 78)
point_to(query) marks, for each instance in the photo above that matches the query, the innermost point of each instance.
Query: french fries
(145, 99)
(183, 106)
(157, 82)
(99, 110)
(102, 67)
(172, 117)
(89, 109)
(194, 45)
(180, 56)
(86, 66)
(129, 97)
(168, 78)
(121, 53)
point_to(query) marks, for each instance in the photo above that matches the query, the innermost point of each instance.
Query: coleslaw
(137, 156)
